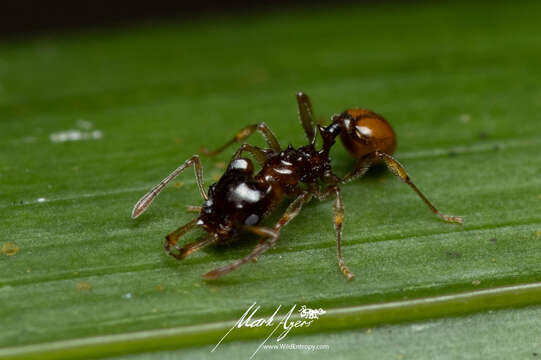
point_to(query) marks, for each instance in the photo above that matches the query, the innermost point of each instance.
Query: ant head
(364, 131)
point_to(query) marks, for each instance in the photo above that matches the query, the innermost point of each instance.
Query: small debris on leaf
(83, 286)
(10, 249)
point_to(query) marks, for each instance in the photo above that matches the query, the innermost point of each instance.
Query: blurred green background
(91, 120)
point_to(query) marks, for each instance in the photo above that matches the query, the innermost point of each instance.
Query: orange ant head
(363, 132)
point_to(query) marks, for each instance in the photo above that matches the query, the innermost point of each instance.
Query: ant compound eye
(241, 164)
(252, 220)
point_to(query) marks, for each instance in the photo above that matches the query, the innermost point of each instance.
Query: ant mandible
(240, 200)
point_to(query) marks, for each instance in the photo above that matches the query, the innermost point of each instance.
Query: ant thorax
(291, 166)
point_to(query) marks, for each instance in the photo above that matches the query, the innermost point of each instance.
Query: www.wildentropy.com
(303, 347)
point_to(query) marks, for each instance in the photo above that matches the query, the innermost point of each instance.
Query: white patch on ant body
(244, 193)
(287, 163)
(239, 164)
(364, 131)
(283, 171)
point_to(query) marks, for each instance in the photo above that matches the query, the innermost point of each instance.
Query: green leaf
(459, 83)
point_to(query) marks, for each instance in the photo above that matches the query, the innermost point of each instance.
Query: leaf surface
(91, 121)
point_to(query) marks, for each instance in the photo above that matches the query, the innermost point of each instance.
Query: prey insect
(242, 198)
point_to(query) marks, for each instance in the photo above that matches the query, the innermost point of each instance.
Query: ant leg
(173, 237)
(306, 114)
(262, 128)
(270, 237)
(258, 250)
(260, 155)
(397, 169)
(188, 249)
(338, 210)
(145, 201)
(193, 208)
(361, 168)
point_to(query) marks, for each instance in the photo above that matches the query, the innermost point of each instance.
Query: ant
(241, 199)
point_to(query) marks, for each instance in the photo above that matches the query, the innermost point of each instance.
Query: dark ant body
(241, 199)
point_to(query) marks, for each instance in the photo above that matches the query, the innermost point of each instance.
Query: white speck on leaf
(75, 135)
(420, 327)
(464, 118)
(84, 124)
